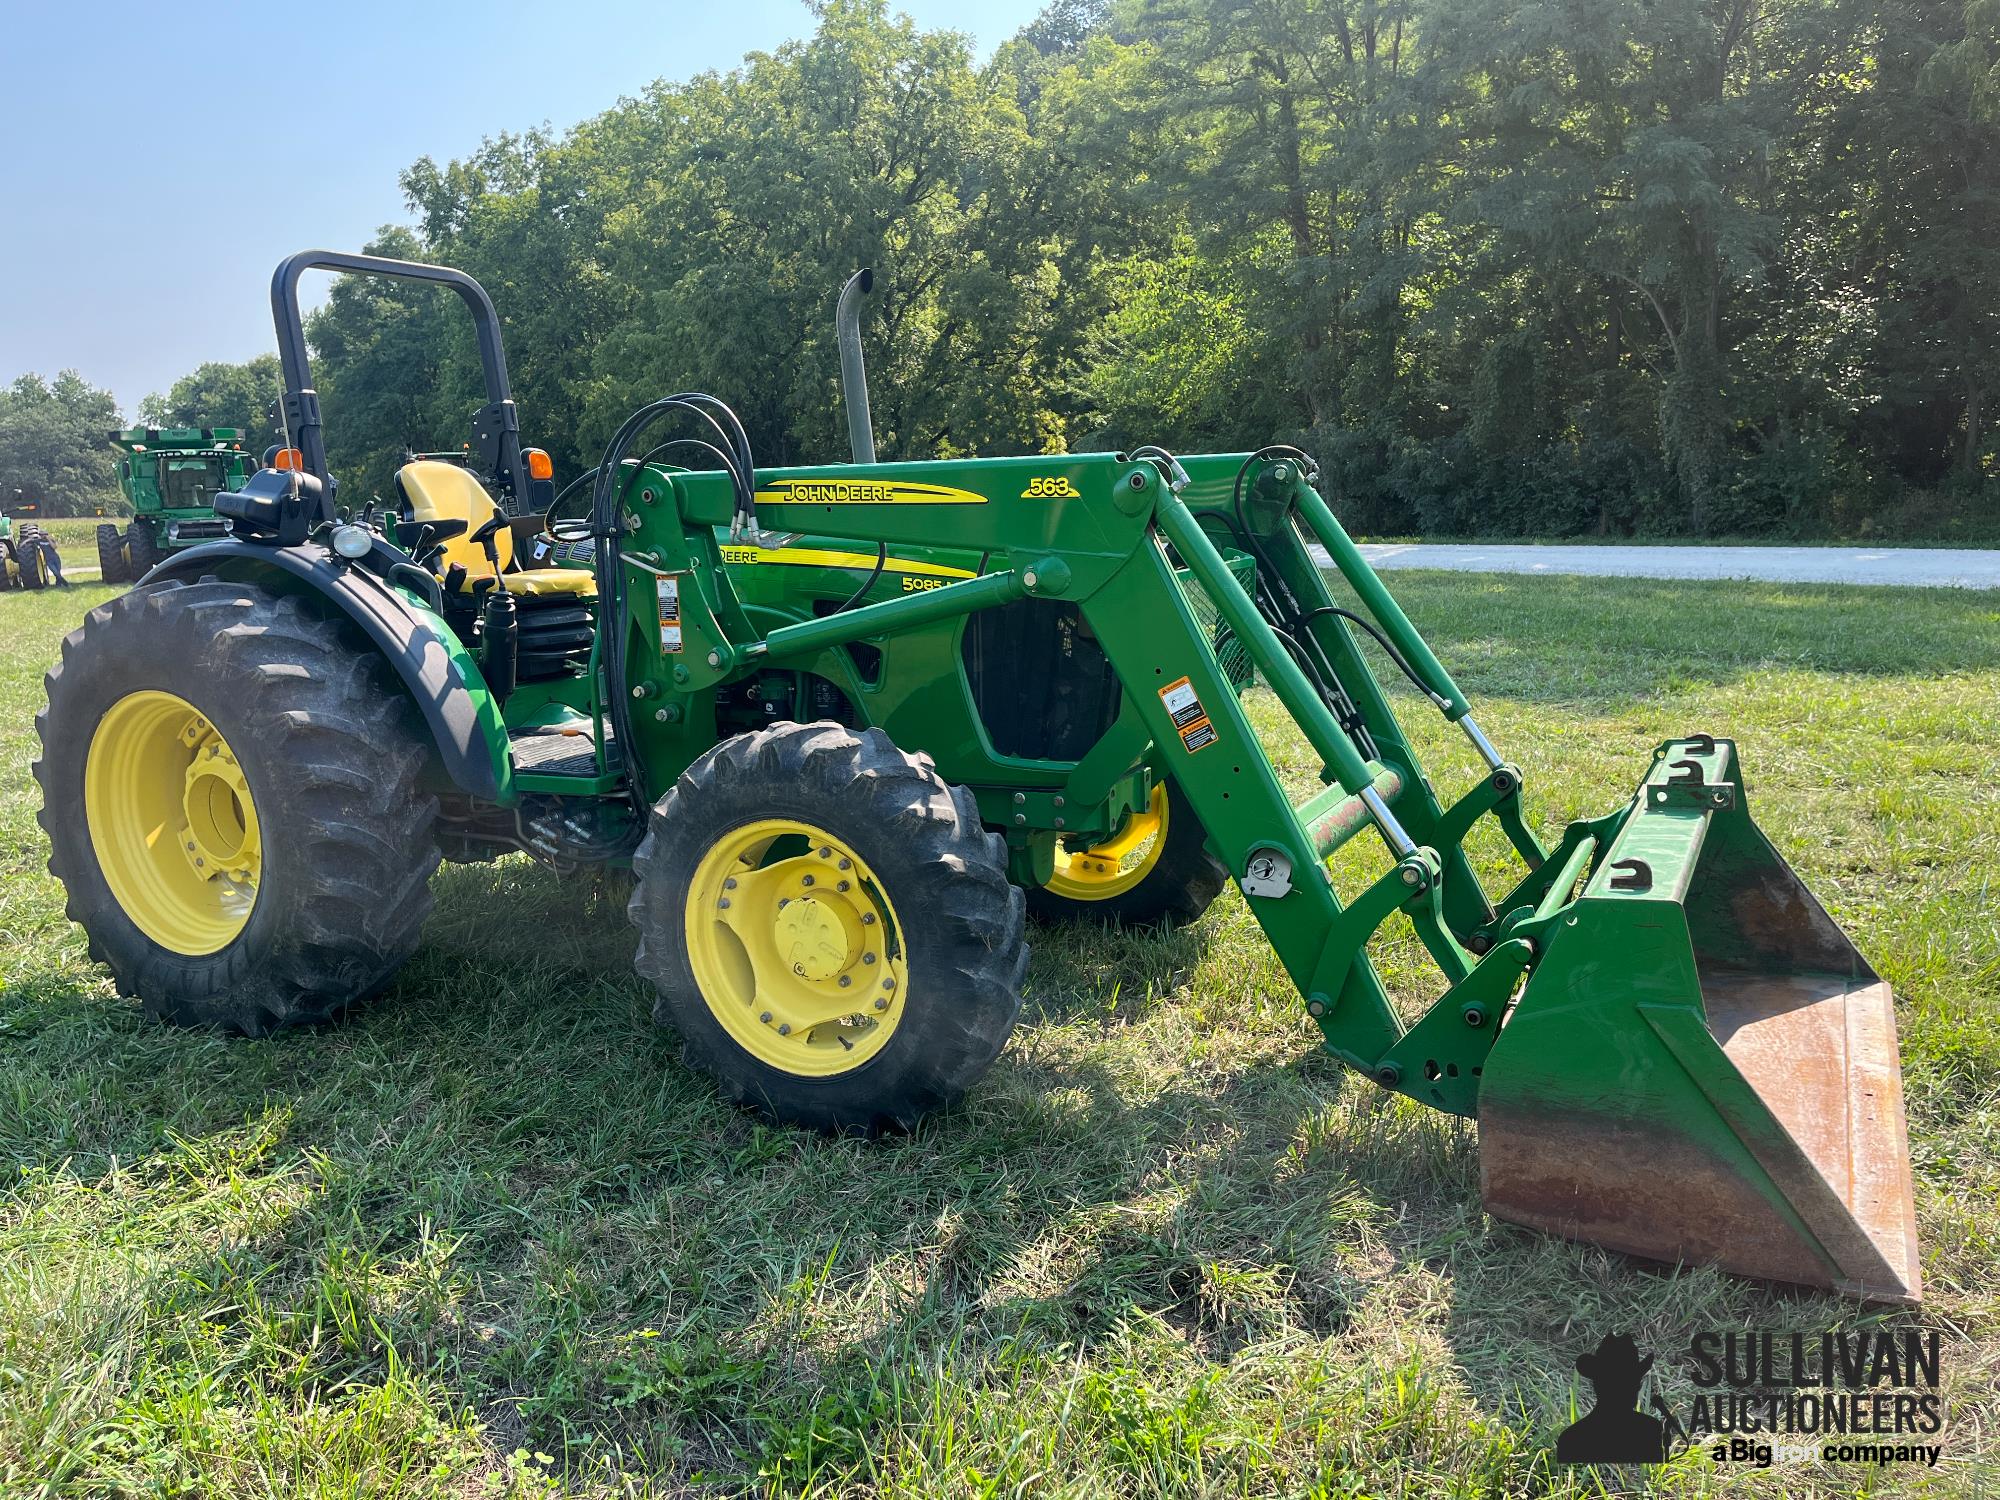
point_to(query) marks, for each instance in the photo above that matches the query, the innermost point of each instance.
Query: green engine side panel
(912, 683)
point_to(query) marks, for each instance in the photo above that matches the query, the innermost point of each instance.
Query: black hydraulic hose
(608, 529)
(1325, 677)
(647, 457)
(881, 561)
(1380, 639)
(1275, 450)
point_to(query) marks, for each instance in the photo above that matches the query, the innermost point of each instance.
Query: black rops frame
(496, 426)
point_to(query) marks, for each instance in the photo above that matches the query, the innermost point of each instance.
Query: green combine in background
(171, 476)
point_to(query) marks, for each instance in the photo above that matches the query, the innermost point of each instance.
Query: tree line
(1548, 267)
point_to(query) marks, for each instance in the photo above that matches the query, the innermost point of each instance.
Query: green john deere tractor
(21, 567)
(847, 723)
(170, 476)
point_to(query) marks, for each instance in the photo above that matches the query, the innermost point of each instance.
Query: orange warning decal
(1189, 717)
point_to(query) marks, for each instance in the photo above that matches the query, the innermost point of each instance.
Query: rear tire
(1181, 879)
(29, 560)
(142, 550)
(111, 555)
(339, 852)
(902, 964)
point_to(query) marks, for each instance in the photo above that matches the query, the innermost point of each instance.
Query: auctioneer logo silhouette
(1614, 1431)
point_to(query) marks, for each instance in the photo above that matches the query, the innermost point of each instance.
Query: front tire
(230, 788)
(829, 927)
(111, 555)
(29, 560)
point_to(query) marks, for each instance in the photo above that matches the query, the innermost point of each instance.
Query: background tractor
(170, 476)
(845, 723)
(20, 567)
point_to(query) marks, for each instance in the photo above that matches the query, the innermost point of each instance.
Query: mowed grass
(490, 1237)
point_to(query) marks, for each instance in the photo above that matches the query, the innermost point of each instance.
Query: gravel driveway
(1925, 567)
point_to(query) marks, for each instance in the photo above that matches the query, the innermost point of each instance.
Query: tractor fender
(464, 721)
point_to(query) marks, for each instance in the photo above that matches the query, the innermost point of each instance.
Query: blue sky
(157, 162)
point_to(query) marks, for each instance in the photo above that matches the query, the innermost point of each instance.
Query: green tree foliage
(53, 448)
(217, 394)
(1522, 266)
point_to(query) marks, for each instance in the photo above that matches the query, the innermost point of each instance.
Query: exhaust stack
(853, 372)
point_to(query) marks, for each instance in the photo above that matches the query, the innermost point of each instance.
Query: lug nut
(765, 1018)
(825, 853)
(868, 919)
(881, 1004)
(845, 981)
(888, 984)
(847, 864)
(868, 958)
(784, 1030)
(723, 903)
(805, 880)
(841, 886)
(729, 884)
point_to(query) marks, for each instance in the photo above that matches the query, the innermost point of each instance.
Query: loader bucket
(1702, 1068)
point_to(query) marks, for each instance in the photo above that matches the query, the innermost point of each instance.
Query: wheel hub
(173, 824)
(796, 948)
(812, 937)
(219, 833)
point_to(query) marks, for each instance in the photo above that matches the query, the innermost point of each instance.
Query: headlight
(352, 541)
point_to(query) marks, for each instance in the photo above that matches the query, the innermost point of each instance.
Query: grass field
(490, 1237)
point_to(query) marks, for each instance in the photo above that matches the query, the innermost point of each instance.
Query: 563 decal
(1051, 487)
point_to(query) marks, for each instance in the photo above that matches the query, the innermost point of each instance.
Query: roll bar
(496, 426)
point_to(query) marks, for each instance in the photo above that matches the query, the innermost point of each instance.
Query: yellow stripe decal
(808, 557)
(863, 492)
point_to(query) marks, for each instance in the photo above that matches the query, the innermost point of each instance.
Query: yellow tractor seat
(439, 491)
(553, 581)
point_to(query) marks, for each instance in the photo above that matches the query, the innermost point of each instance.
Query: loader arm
(1104, 545)
(1132, 543)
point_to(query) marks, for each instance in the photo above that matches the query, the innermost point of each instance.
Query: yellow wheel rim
(1112, 869)
(796, 947)
(172, 823)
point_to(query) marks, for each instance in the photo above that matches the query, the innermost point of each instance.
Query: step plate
(554, 752)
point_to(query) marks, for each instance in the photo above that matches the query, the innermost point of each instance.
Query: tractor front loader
(846, 722)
